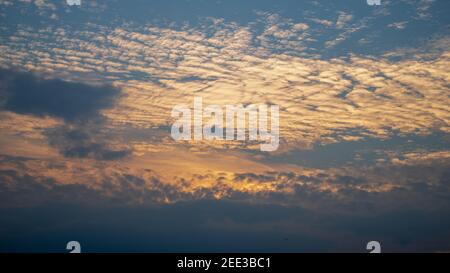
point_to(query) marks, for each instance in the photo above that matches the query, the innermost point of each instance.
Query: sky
(86, 153)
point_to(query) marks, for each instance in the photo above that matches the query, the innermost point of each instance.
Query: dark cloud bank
(26, 93)
(43, 216)
(212, 225)
(78, 104)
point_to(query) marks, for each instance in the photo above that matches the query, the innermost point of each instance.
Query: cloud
(224, 225)
(27, 94)
(322, 101)
(423, 8)
(343, 19)
(43, 4)
(351, 126)
(78, 105)
(86, 141)
(322, 22)
(398, 25)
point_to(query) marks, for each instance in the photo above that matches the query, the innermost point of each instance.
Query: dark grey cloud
(364, 152)
(95, 150)
(40, 214)
(78, 104)
(26, 93)
(86, 140)
(217, 226)
(35, 191)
